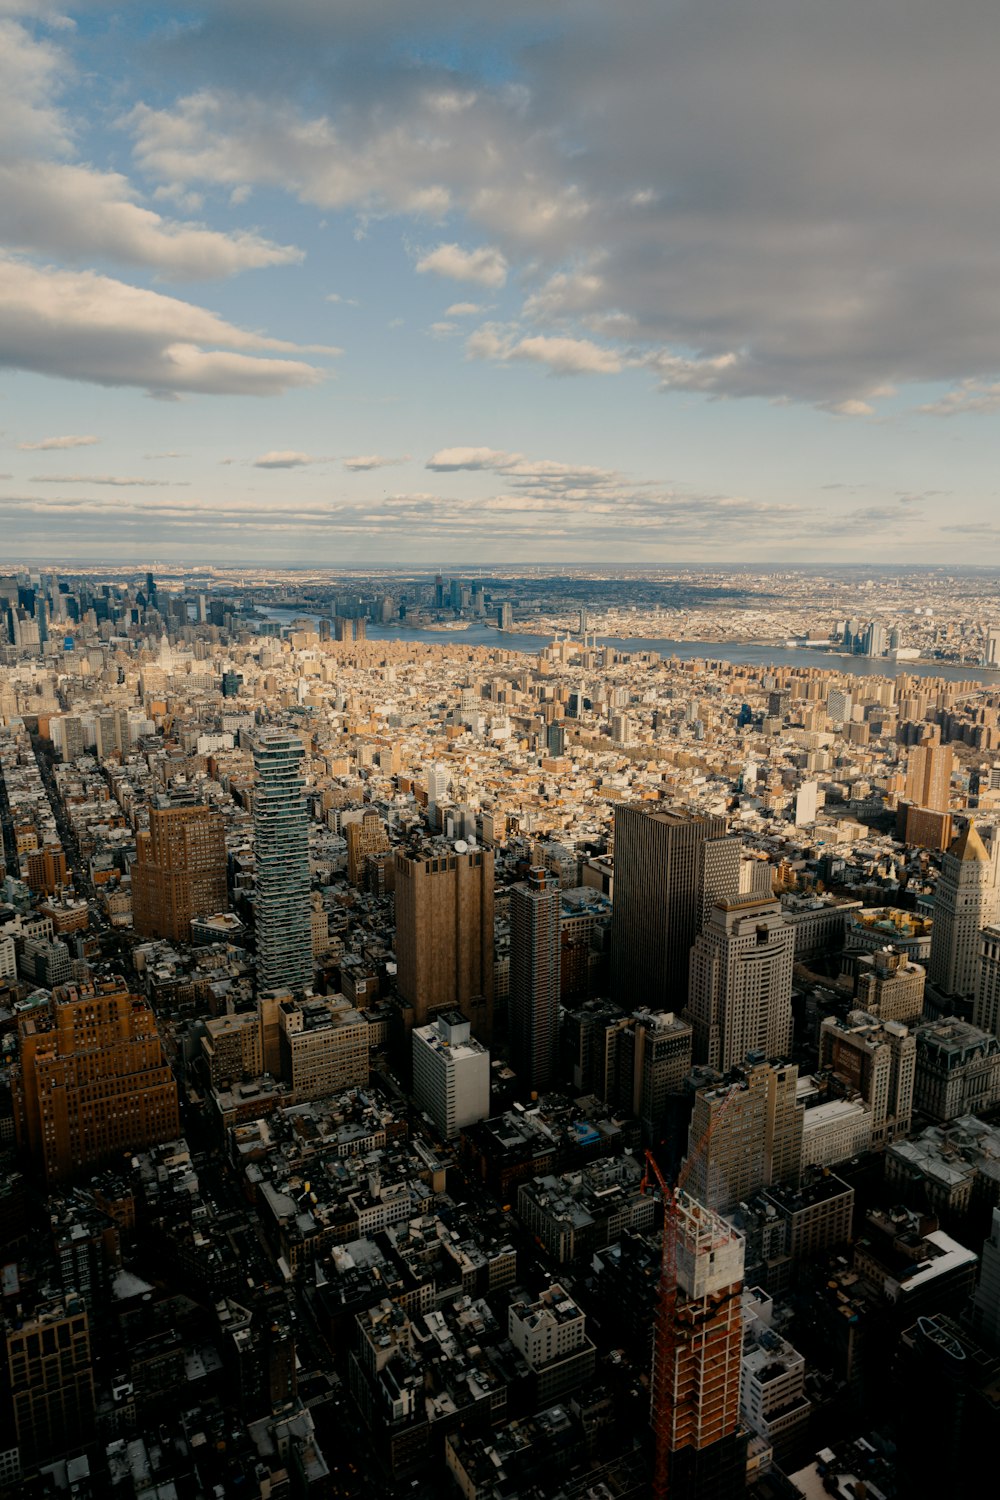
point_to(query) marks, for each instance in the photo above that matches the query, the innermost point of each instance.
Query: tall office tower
(890, 986)
(366, 836)
(695, 1400)
(652, 1059)
(669, 870)
(505, 616)
(986, 1011)
(444, 933)
(740, 997)
(179, 871)
(928, 775)
(47, 869)
(535, 908)
(281, 849)
(745, 1136)
(965, 901)
(991, 652)
(91, 1081)
(51, 1380)
(986, 1303)
(879, 1061)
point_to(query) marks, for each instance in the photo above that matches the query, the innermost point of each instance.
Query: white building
(451, 1073)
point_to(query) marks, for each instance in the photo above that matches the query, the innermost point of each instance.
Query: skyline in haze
(555, 284)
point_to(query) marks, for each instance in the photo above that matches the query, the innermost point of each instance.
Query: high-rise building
(695, 1401)
(741, 983)
(877, 1060)
(281, 850)
(179, 871)
(890, 986)
(986, 1011)
(92, 1080)
(323, 1043)
(535, 909)
(50, 1379)
(965, 901)
(745, 1137)
(928, 775)
(669, 870)
(444, 933)
(986, 1303)
(653, 1059)
(451, 1073)
(365, 836)
(47, 869)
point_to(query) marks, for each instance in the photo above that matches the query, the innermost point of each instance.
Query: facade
(986, 1011)
(281, 850)
(364, 837)
(551, 1337)
(928, 776)
(740, 996)
(51, 1380)
(451, 1073)
(879, 1063)
(444, 933)
(889, 986)
(179, 871)
(834, 1131)
(669, 870)
(92, 1080)
(535, 909)
(654, 1058)
(965, 902)
(745, 1136)
(817, 1215)
(986, 1303)
(324, 1046)
(47, 869)
(957, 1069)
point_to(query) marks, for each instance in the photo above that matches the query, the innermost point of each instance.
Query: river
(740, 653)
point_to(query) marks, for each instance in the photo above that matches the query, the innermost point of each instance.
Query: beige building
(740, 993)
(179, 871)
(444, 933)
(878, 1062)
(889, 986)
(965, 901)
(324, 1046)
(745, 1136)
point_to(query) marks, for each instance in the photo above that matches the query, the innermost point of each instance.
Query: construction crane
(665, 1330)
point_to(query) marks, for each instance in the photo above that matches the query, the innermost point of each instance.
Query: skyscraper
(179, 871)
(741, 983)
(965, 901)
(281, 848)
(535, 906)
(928, 775)
(92, 1080)
(444, 933)
(744, 1140)
(669, 870)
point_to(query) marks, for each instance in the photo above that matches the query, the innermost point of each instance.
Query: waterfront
(742, 653)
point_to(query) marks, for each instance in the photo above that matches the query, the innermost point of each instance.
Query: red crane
(665, 1332)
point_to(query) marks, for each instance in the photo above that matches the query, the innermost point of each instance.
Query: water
(739, 653)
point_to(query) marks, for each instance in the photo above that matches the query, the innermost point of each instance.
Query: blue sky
(455, 283)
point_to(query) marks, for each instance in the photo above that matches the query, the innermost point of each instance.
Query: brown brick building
(92, 1081)
(444, 933)
(179, 871)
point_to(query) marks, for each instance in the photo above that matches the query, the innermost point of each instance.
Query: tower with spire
(967, 899)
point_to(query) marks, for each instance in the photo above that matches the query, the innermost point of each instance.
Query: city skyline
(543, 283)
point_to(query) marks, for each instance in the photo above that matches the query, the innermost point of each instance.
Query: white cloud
(971, 396)
(363, 462)
(116, 481)
(82, 326)
(44, 444)
(560, 354)
(463, 310)
(485, 266)
(286, 459)
(77, 213)
(447, 460)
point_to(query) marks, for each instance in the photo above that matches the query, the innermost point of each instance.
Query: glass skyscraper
(281, 848)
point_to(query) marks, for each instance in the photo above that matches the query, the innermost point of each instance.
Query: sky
(348, 282)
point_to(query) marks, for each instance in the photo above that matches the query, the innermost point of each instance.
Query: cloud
(46, 444)
(561, 355)
(362, 463)
(485, 266)
(78, 213)
(448, 460)
(286, 459)
(82, 326)
(115, 480)
(694, 180)
(971, 396)
(849, 407)
(463, 310)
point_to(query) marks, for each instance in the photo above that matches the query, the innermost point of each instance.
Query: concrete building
(740, 995)
(986, 1011)
(365, 836)
(444, 933)
(324, 1046)
(879, 1062)
(965, 902)
(957, 1069)
(281, 851)
(889, 986)
(91, 1080)
(669, 869)
(551, 1337)
(451, 1073)
(928, 775)
(50, 1379)
(535, 910)
(745, 1136)
(986, 1302)
(773, 1400)
(817, 1215)
(179, 871)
